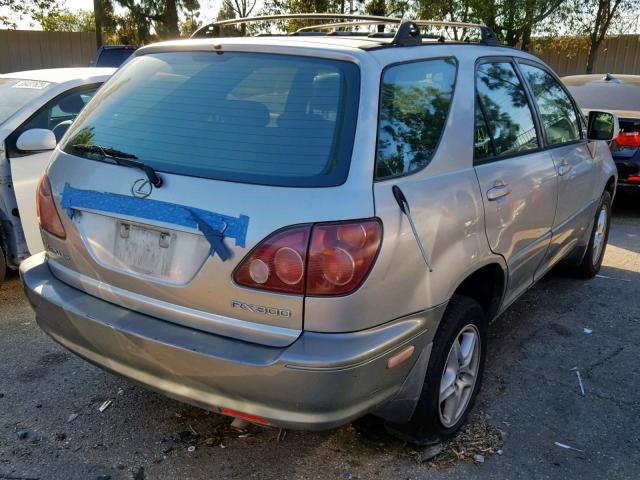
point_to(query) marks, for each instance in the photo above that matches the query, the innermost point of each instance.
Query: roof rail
(365, 23)
(292, 16)
(408, 32)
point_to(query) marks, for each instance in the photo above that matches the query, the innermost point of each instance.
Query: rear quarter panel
(448, 212)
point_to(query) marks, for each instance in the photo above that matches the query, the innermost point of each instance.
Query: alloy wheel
(599, 234)
(459, 376)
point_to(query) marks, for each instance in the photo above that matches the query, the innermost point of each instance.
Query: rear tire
(454, 375)
(3, 266)
(592, 260)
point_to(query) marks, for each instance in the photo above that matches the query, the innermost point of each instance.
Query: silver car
(299, 230)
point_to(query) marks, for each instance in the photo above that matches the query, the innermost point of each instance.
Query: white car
(36, 108)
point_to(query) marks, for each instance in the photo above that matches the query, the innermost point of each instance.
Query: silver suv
(298, 230)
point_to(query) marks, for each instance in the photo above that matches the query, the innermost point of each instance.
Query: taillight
(48, 217)
(323, 259)
(341, 256)
(277, 264)
(628, 139)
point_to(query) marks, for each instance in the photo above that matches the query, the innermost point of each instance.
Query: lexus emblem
(141, 188)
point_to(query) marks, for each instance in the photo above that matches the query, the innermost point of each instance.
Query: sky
(209, 9)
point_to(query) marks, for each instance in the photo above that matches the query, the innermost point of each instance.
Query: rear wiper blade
(122, 158)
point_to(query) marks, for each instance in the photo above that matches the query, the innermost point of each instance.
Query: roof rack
(407, 34)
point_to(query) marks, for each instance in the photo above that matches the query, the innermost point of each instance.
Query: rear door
(517, 177)
(27, 168)
(565, 139)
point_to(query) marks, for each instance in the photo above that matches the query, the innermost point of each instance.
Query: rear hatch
(245, 144)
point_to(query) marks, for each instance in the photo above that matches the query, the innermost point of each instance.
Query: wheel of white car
(454, 374)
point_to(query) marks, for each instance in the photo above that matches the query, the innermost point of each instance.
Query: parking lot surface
(531, 401)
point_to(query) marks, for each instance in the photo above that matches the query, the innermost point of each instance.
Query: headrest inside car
(72, 104)
(247, 113)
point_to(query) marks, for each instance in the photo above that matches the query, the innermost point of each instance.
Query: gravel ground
(51, 428)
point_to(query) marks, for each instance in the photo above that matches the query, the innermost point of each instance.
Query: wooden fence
(29, 49)
(569, 56)
(32, 50)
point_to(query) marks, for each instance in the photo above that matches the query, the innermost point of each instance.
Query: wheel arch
(610, 186)
(486, 284)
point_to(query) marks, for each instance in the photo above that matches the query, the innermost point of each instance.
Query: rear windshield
(17, 92)
(249, 117)
(113, 57)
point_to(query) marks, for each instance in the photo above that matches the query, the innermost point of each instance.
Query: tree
(191, 23)
(275, 7)
(133, 28)
(594, 19)
(386, 8)
(162, 13)
(66, 21)
(513, 20)
(240, 8)
(227, 12)
(22, 8)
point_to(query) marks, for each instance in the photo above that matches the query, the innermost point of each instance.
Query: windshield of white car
(15, 93)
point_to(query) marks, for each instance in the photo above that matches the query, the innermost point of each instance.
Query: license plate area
(143, 249)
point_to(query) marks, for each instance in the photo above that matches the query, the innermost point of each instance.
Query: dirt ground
(51, 428)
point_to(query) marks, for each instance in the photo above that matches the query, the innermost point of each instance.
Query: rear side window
(414, 104)
(504, 121)
(559, 119)
(248, 117)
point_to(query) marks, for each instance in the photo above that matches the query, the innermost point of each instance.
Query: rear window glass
(248, 117)
(414, 103)
(17, 92)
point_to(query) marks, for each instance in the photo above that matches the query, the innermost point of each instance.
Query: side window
(58, 115)
(559, 119)
(414, 103)
(504, 122)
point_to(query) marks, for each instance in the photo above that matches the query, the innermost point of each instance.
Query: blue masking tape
(214, 226)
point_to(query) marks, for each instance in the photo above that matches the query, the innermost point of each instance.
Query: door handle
(564, 168)
(497, 192)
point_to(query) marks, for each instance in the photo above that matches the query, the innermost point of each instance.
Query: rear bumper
(628, 166)
(320, 381)
(625, 186)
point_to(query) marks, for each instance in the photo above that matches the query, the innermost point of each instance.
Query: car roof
(61, 75)
(601, 79)
(615, 93)
(111, 47)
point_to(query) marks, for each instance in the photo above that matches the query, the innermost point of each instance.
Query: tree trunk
(525, 42)
(98, 15)
(171, 19)
(596, 36)
(591, 58)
